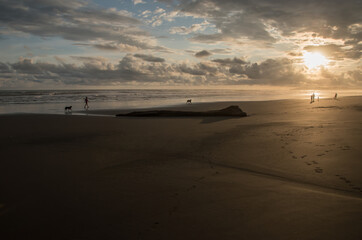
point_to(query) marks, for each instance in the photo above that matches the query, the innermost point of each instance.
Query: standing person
(335, 96)
(86, 106)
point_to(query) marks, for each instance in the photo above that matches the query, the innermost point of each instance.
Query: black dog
(68, 109)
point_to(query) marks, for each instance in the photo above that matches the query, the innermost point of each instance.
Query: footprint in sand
(190, 188)
(319, 155)
(345, 147)
(318, 170)
(303, 156)
(211, 165)
(314, 162)
(345, 180)
(294, 157)
(201, 178)
(348, 182)
(308, 163)
(173, 210)
(155, 224)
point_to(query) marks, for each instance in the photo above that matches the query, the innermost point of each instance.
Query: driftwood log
(232, 111)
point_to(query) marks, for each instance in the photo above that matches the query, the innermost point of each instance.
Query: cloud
(203, 53)
(160, 15)
(146, 13)
(191, 70)
(135, 2)
(101, 63)
(212, 38)
(295, 54)
(348, 79)
(268, 21)
(159, 10)
(5, 68)
(93, 71)
(336, 51)
(96, 71)
(274, 72)
(74, 20)
(149, 58)
(228, 61)
(113, 46)
(198, 27)
(225, 51)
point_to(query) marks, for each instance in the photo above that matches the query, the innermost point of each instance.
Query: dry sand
(290, 170)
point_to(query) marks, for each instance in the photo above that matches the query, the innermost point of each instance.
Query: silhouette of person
(86, 106)
(335, 96)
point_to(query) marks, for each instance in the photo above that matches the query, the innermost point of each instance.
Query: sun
(314, 60)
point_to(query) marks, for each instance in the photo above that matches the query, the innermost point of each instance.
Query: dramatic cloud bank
(147, 69)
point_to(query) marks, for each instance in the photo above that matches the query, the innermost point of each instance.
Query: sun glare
(314, 60)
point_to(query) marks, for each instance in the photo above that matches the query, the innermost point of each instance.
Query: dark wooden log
(231, 111)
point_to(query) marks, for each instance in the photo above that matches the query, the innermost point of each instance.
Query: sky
(247, 44)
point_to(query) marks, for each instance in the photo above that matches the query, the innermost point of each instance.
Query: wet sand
(290, 170)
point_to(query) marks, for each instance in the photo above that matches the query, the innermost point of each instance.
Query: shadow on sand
(208, 120)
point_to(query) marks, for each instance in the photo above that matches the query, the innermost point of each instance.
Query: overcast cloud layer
(183, 43)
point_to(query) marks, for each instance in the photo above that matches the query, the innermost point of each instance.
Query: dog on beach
(68, 109)
(188, 101)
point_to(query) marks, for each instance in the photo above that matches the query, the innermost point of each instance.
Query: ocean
(54, 101)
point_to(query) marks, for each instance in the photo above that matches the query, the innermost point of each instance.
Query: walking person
(86, 106)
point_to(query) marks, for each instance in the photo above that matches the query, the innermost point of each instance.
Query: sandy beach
(289, 170)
